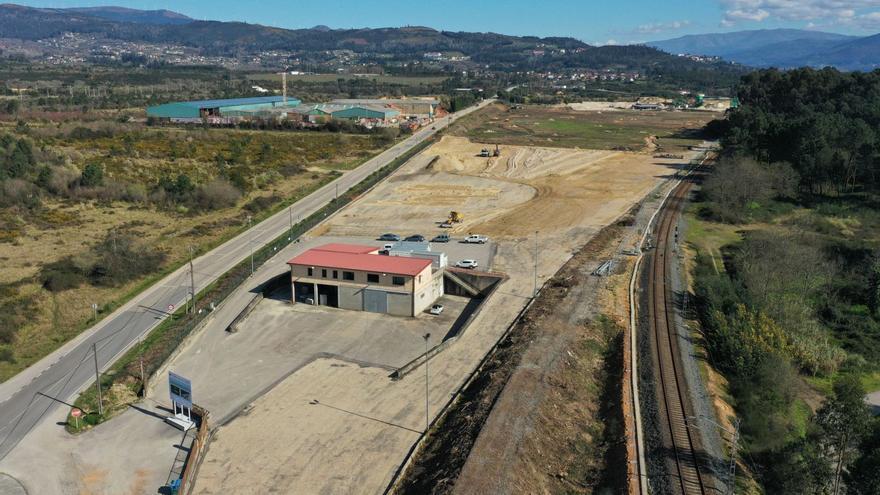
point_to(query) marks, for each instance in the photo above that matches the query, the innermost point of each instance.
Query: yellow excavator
(454, 217)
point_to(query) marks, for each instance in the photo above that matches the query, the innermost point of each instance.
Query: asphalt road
(64, 373)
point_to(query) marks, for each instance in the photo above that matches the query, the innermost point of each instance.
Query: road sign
(170, 308)
(181, 390)
(94, 306)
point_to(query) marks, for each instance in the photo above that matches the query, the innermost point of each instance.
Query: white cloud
(659, 27)
(858, 13)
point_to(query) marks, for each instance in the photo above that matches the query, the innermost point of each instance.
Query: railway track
(680, 440)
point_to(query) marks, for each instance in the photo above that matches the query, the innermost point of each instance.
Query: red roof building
(397, 265)
(357, 277)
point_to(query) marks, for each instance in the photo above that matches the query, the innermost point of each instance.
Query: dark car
(415, 238)
(441, 238)
(389, 237)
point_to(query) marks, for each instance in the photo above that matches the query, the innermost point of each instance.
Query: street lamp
(251, 245)
(535, 291)
(427, 419)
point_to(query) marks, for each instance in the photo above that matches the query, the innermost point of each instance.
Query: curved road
(65, 372)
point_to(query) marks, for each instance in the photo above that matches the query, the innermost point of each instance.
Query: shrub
(120, 258)
(216, 194)
(92, 175)
(62, 275)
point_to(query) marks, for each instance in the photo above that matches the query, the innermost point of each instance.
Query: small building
(217, 110)
(419, 250)
(357, 277)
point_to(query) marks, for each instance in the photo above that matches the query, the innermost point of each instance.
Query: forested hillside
(787, 277)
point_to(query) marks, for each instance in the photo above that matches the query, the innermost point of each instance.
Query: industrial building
(357, 277)
(219, 111)
(408, 107)
(368, 114)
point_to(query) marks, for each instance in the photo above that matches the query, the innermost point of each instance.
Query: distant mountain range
(123, 14)
(399, 46)
(783, 48)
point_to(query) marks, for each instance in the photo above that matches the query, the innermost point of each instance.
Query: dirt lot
(348, 427)
(508, 197)
(564, 127)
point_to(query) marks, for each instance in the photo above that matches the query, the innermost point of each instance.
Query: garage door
(375, 301)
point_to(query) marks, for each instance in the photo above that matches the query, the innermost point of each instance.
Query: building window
(347, 275)
(398, 280)
(373, 278)
(311, 271)
(323, 273)
(335, 274)
(420, 279)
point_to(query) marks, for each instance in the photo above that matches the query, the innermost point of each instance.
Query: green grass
(709, 237)
(562, 127)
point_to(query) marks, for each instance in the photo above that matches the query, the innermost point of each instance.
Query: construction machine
(454, 217)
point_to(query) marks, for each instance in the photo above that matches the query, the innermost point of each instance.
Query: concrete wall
(351, 298)
(399, 304)
(360, 277)
(428, 294)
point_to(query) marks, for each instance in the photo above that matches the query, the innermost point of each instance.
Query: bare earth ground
(336, 427)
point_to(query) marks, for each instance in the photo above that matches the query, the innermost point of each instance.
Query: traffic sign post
(76, 413)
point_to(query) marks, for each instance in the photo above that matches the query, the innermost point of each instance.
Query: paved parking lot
(278, 338)
(455, 249)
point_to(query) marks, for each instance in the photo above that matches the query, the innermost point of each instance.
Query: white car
(436, 309)
(467, 264)
(476, 239)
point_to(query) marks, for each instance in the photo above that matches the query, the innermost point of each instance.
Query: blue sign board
(181, 390)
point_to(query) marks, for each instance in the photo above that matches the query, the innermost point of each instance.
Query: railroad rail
(684, 472)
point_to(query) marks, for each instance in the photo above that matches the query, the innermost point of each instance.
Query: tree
(863, 477)
(844, 420)
(92, 175)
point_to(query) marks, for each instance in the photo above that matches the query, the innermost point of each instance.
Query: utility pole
(290, 215)
(98, 379)
(731, 488)
(192, 280)
(427, 418)
(337, 191)
(535, 292)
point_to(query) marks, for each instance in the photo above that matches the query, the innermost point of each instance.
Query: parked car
(476, 239)
(467, 264)
(389, 237)
(441, 238)
(415, 238)
(436, 309)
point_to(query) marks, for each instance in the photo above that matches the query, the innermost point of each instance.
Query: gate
(375, 301)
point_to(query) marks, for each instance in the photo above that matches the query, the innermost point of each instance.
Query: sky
(593, 21)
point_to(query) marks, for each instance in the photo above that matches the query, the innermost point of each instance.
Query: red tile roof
(347, 248)
(377, 263)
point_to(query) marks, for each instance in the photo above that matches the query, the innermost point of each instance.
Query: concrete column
(315, 289)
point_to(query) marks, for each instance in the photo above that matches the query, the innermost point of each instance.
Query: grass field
(276, 168)
(562, 127)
